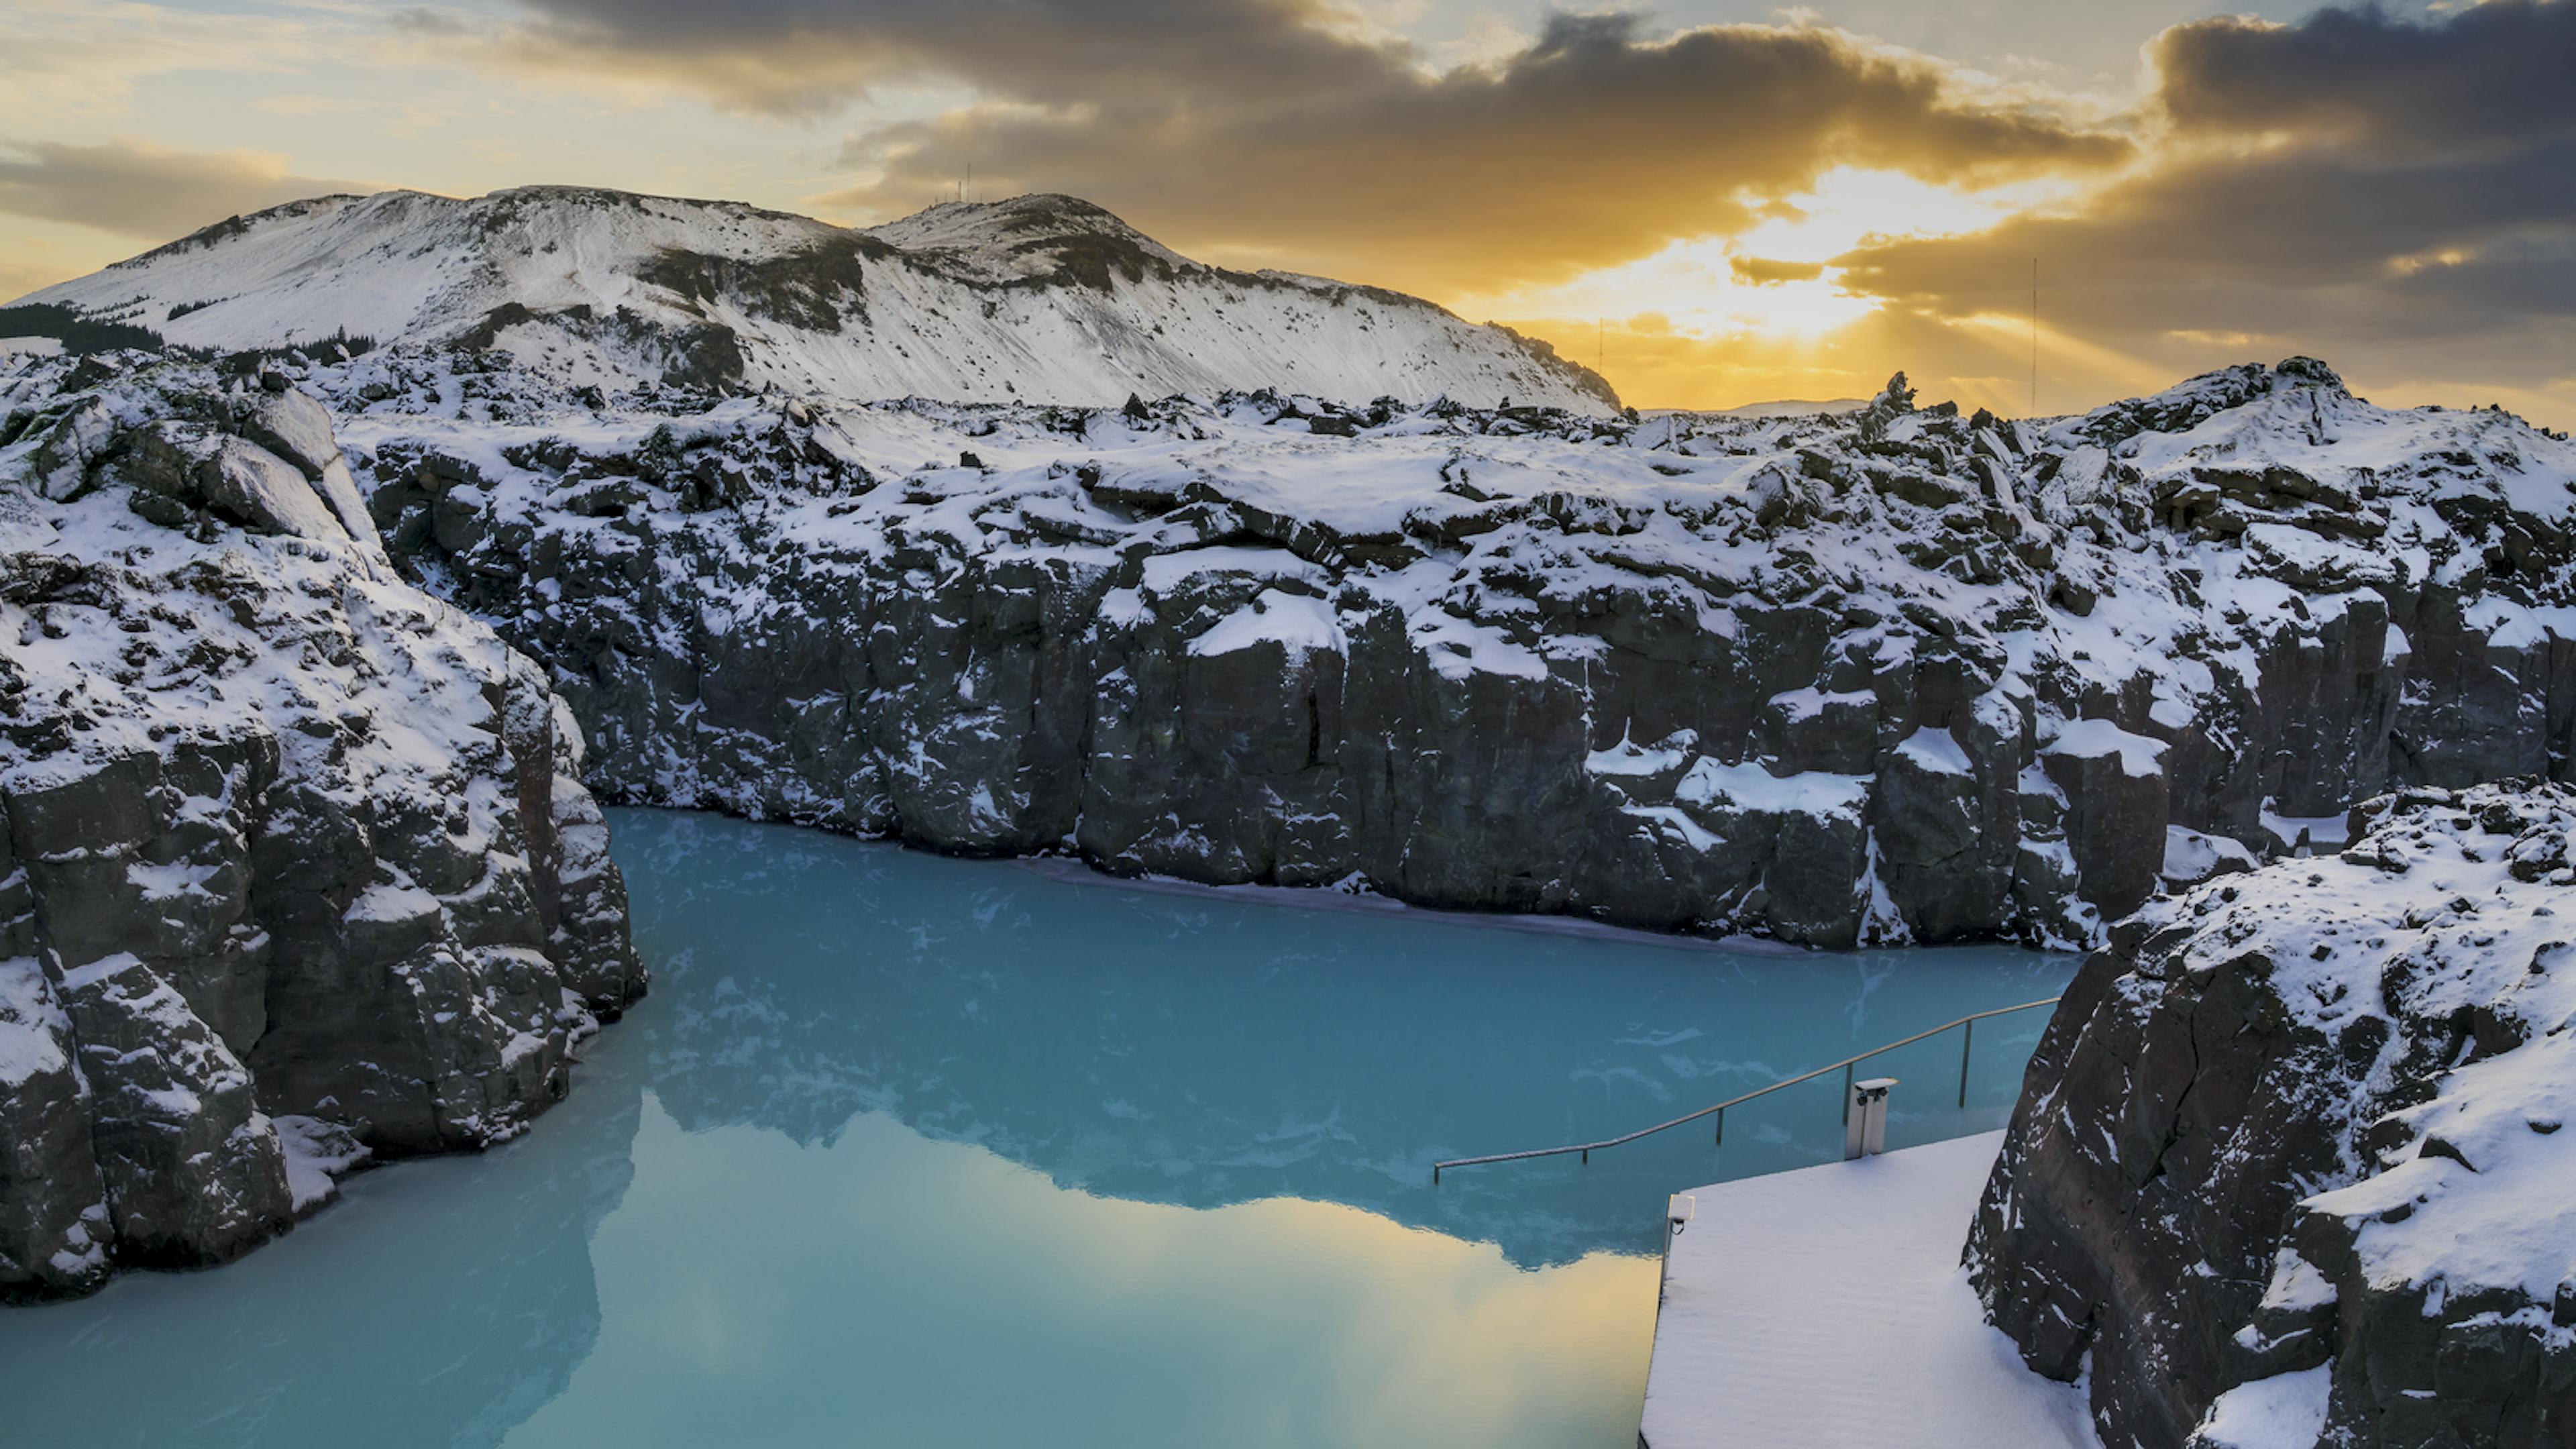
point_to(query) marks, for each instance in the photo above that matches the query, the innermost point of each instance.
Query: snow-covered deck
(1826, 1307)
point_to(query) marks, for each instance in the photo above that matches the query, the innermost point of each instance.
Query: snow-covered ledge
(1827, 1306)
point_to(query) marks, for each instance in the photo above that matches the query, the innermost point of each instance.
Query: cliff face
(292, 839)
(295, 864)
(2288, 1166)
(1897, 675)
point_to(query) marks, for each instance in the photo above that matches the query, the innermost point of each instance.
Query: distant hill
(1794, 408)
(1037, 299)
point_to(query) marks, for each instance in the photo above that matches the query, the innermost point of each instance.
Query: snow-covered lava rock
(295, 864)
(2288, 1167)
(1898, 675)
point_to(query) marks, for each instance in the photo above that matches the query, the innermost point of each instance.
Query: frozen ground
(1826, 1307)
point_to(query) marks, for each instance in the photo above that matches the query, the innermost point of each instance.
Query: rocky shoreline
(2289, 1152)
(1904, 675)
(296, 869)
(318, 671)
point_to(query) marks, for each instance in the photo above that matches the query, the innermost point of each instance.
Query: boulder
(280, 837)
(2292, 1141)
(254, 487)
(78, 439)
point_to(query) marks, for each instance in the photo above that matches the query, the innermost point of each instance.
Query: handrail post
(1967, 1043)
(1721, 1128)
(1847, 1085)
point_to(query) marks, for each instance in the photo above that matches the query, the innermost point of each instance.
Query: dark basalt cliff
(295, 864)
(1902, 675)
(2290, 1152)
(298, 863)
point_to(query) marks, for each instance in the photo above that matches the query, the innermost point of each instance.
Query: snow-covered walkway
(1826, 1307)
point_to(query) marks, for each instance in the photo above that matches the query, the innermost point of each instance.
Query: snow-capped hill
(1793, 408)
(1044, 299)
(1028, 238)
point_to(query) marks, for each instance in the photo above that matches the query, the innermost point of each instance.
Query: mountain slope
(1037, 299)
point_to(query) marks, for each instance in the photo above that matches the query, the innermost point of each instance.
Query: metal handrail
(1968, 1025)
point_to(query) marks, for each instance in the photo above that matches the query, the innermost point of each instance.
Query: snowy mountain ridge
(1044, 299)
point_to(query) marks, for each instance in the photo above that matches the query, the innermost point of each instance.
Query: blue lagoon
(913, 1151)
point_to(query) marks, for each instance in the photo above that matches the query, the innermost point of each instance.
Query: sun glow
(1775, 280)
(1760, 314)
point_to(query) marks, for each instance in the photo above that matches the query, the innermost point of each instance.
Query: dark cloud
(2495, 74)
(1763, 272)
(2382, 191)
(144, 191)
(801, 56)
(1270, 128)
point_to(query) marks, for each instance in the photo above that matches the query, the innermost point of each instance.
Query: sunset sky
(1726, 202)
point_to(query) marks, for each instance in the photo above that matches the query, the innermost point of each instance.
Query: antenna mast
(2034, 337)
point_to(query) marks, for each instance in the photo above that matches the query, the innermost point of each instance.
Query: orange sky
(1720, 202)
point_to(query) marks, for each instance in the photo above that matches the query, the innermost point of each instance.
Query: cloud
(1281, 130)
(2488, 73)
(1763, 271)
(70, 58)
(807, 56)
(140, 190)
(2399, 196)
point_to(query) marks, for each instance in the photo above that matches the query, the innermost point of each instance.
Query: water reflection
(913, 1151)
(440, 1303)
(1174, 1048)
(901, 1291)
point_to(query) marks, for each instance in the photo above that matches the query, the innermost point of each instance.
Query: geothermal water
(910, 1151)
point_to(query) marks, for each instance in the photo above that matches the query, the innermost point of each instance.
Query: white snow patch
(2285, 1411)
(1935, 750)
(1827, 1306)
(318, 1154)
(1300, 624)
(2192, 857)
(33, 1029)
(2323, 831)
(1710, 785)
(2094, 738)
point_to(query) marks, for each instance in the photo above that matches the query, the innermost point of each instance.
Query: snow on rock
(1041, 299)
(1935, 750)
(318, 1154)
(1826, 1306)
(1518, 659)
(2192, 856)
(1899, 674)
(2289, 1166)
(2086, 739)
(293, 861)
(2285, 1411)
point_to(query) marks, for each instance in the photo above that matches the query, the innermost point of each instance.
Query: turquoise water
(908, 1151)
